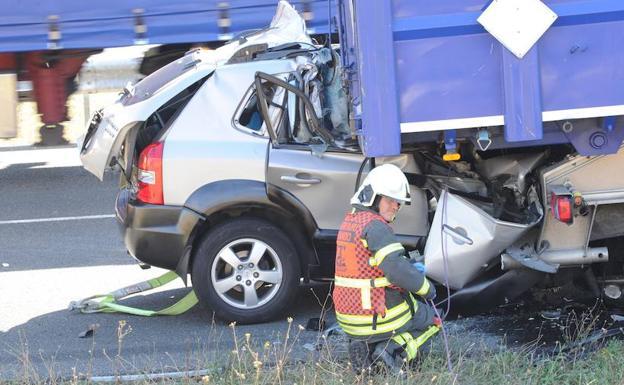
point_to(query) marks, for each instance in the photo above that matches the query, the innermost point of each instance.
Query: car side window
(248, 116)
(290, 117)
(293, 124)
(294, 128)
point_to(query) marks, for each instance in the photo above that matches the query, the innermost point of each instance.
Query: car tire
(239, 258)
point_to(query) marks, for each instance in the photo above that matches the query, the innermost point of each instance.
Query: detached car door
(304, 161)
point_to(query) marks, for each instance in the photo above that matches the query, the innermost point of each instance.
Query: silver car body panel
(117, 119)
(203, 146)
(333, 177)
(514, 168)
(467, 185)
(465, 239)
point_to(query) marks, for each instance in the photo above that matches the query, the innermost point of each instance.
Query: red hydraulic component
(50, 78)
(562, 207)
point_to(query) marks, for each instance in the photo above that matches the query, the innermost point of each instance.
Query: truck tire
(246, 270)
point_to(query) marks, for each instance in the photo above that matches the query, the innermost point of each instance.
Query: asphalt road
(58, 243)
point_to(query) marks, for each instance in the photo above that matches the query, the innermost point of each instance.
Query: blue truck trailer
(32, 25)
(513, 91)
(506, 116)
(47, 42)
(431, 67)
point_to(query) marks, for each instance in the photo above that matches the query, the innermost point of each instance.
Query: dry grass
(253, 361)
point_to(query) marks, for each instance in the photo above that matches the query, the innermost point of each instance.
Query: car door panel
(326, 184)
(323, 184)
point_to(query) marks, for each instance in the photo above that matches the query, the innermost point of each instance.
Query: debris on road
(89, 332)
(617, 317)
(595, 337)
(315, 324)
(551, 314)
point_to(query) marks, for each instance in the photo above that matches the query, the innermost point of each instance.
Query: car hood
(108, 128)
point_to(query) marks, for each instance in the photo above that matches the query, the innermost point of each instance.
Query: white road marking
(57, 219)
(29, 295)
(41, 157)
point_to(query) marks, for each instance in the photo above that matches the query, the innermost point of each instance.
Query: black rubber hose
(359, 174)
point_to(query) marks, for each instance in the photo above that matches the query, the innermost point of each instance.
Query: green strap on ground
(107, 303)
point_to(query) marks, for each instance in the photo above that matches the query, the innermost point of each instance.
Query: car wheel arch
(221, 201)
(223, 281)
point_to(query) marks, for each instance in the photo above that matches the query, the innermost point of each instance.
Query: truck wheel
(246, 270)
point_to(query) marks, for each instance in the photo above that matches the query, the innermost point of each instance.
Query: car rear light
(150, 174)
(562, 207)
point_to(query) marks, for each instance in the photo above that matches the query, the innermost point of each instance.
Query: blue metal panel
(417, 19)
(380, 113)
(591, 139)
(582, 66)
(84, 24)
(461, 77)
(522, 96)
(410, 8)
(555, 136)
(449, 78)
(449, 67)
(348, 49)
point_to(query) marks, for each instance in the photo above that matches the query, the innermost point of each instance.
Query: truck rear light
(150, 174)
(562, 207)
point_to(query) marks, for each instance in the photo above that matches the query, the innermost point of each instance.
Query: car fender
(239, 194)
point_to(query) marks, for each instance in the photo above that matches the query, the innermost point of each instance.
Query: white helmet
(387, 180)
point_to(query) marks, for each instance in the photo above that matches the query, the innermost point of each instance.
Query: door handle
(298, 180)
(459, 235)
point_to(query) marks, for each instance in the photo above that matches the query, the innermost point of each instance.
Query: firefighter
(379, 294)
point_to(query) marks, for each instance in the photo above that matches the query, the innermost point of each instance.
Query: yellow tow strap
(106, 303)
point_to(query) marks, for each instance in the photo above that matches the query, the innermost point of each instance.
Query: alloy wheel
(246, 273)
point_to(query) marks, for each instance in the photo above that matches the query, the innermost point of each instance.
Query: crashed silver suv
(236, 170)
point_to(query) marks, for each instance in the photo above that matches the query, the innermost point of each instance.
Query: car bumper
(155, 234)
